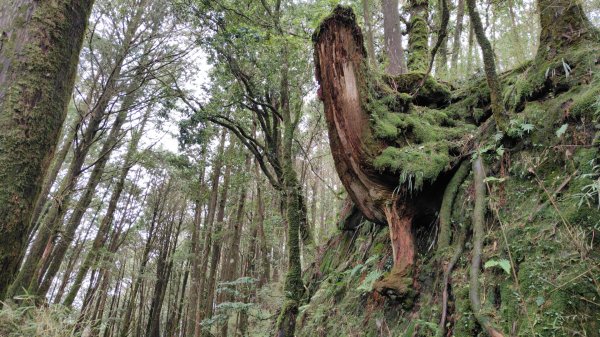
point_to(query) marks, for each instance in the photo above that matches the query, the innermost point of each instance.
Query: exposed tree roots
(448, 202)
(478, 233)
(444, 236)
(460, 243)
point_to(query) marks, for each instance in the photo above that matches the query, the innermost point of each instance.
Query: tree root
(448, 202)
(397, 285)
(286, 322)
(478, 231)
(446, 281)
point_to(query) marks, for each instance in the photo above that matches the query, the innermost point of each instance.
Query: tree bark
(39, 51)
(108, 218)
(370, 40)
(393, 38)
(418, 36)
(339, 59)
(460, 13)
(563, 24)
(489, 65)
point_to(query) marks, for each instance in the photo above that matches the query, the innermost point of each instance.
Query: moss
(416, 164)
(586, 104)
(418, 48)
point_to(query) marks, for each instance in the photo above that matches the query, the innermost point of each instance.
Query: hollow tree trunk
(339, 59)
(39, 51)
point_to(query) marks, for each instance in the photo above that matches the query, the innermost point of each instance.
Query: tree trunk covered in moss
(447, 205)
(393, 39)
(489, 65)
(418, 36)
(39, 50)
(295, 210)
(51, 175)
(441, 65)
(563, 24)
(26, 279)
(478, 236)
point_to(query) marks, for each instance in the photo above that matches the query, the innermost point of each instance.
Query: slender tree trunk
(195, 313)
(82, 204)
(370, 40)
(215, 255)
(57, 163)
(460, 13)
(157, 209)
(163, 273)
(264, 250)
(441, 66)
(110, 213)
(232, 254)
(40, 50)
(490, 68)
(393, 38)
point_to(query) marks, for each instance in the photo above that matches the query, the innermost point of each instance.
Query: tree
(393, 38)
(35, 85)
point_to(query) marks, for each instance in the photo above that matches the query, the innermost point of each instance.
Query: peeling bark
(340, 58)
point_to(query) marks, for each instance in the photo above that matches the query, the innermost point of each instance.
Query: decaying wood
(340, 60)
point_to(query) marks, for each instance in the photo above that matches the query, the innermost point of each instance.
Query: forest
(299, 168)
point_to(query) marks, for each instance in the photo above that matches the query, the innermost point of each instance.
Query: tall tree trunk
(107, 220)
(232, 254)
(441, 65)
(418, 36)
(489, 63)
(260, 222)
(393, 38)
(215, 255)
(460, 13)
(39, 52)
(163, 272)
(295, 210)
(195, 313)
(74, 221)
(370, 40)
(25, 279)
(57, 163)
(157, 209)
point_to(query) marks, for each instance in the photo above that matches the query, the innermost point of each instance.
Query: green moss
(587, 103)
(416, 164)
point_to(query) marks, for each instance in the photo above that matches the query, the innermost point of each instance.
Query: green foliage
(25, 320)
(370, 279)
(504, 264)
